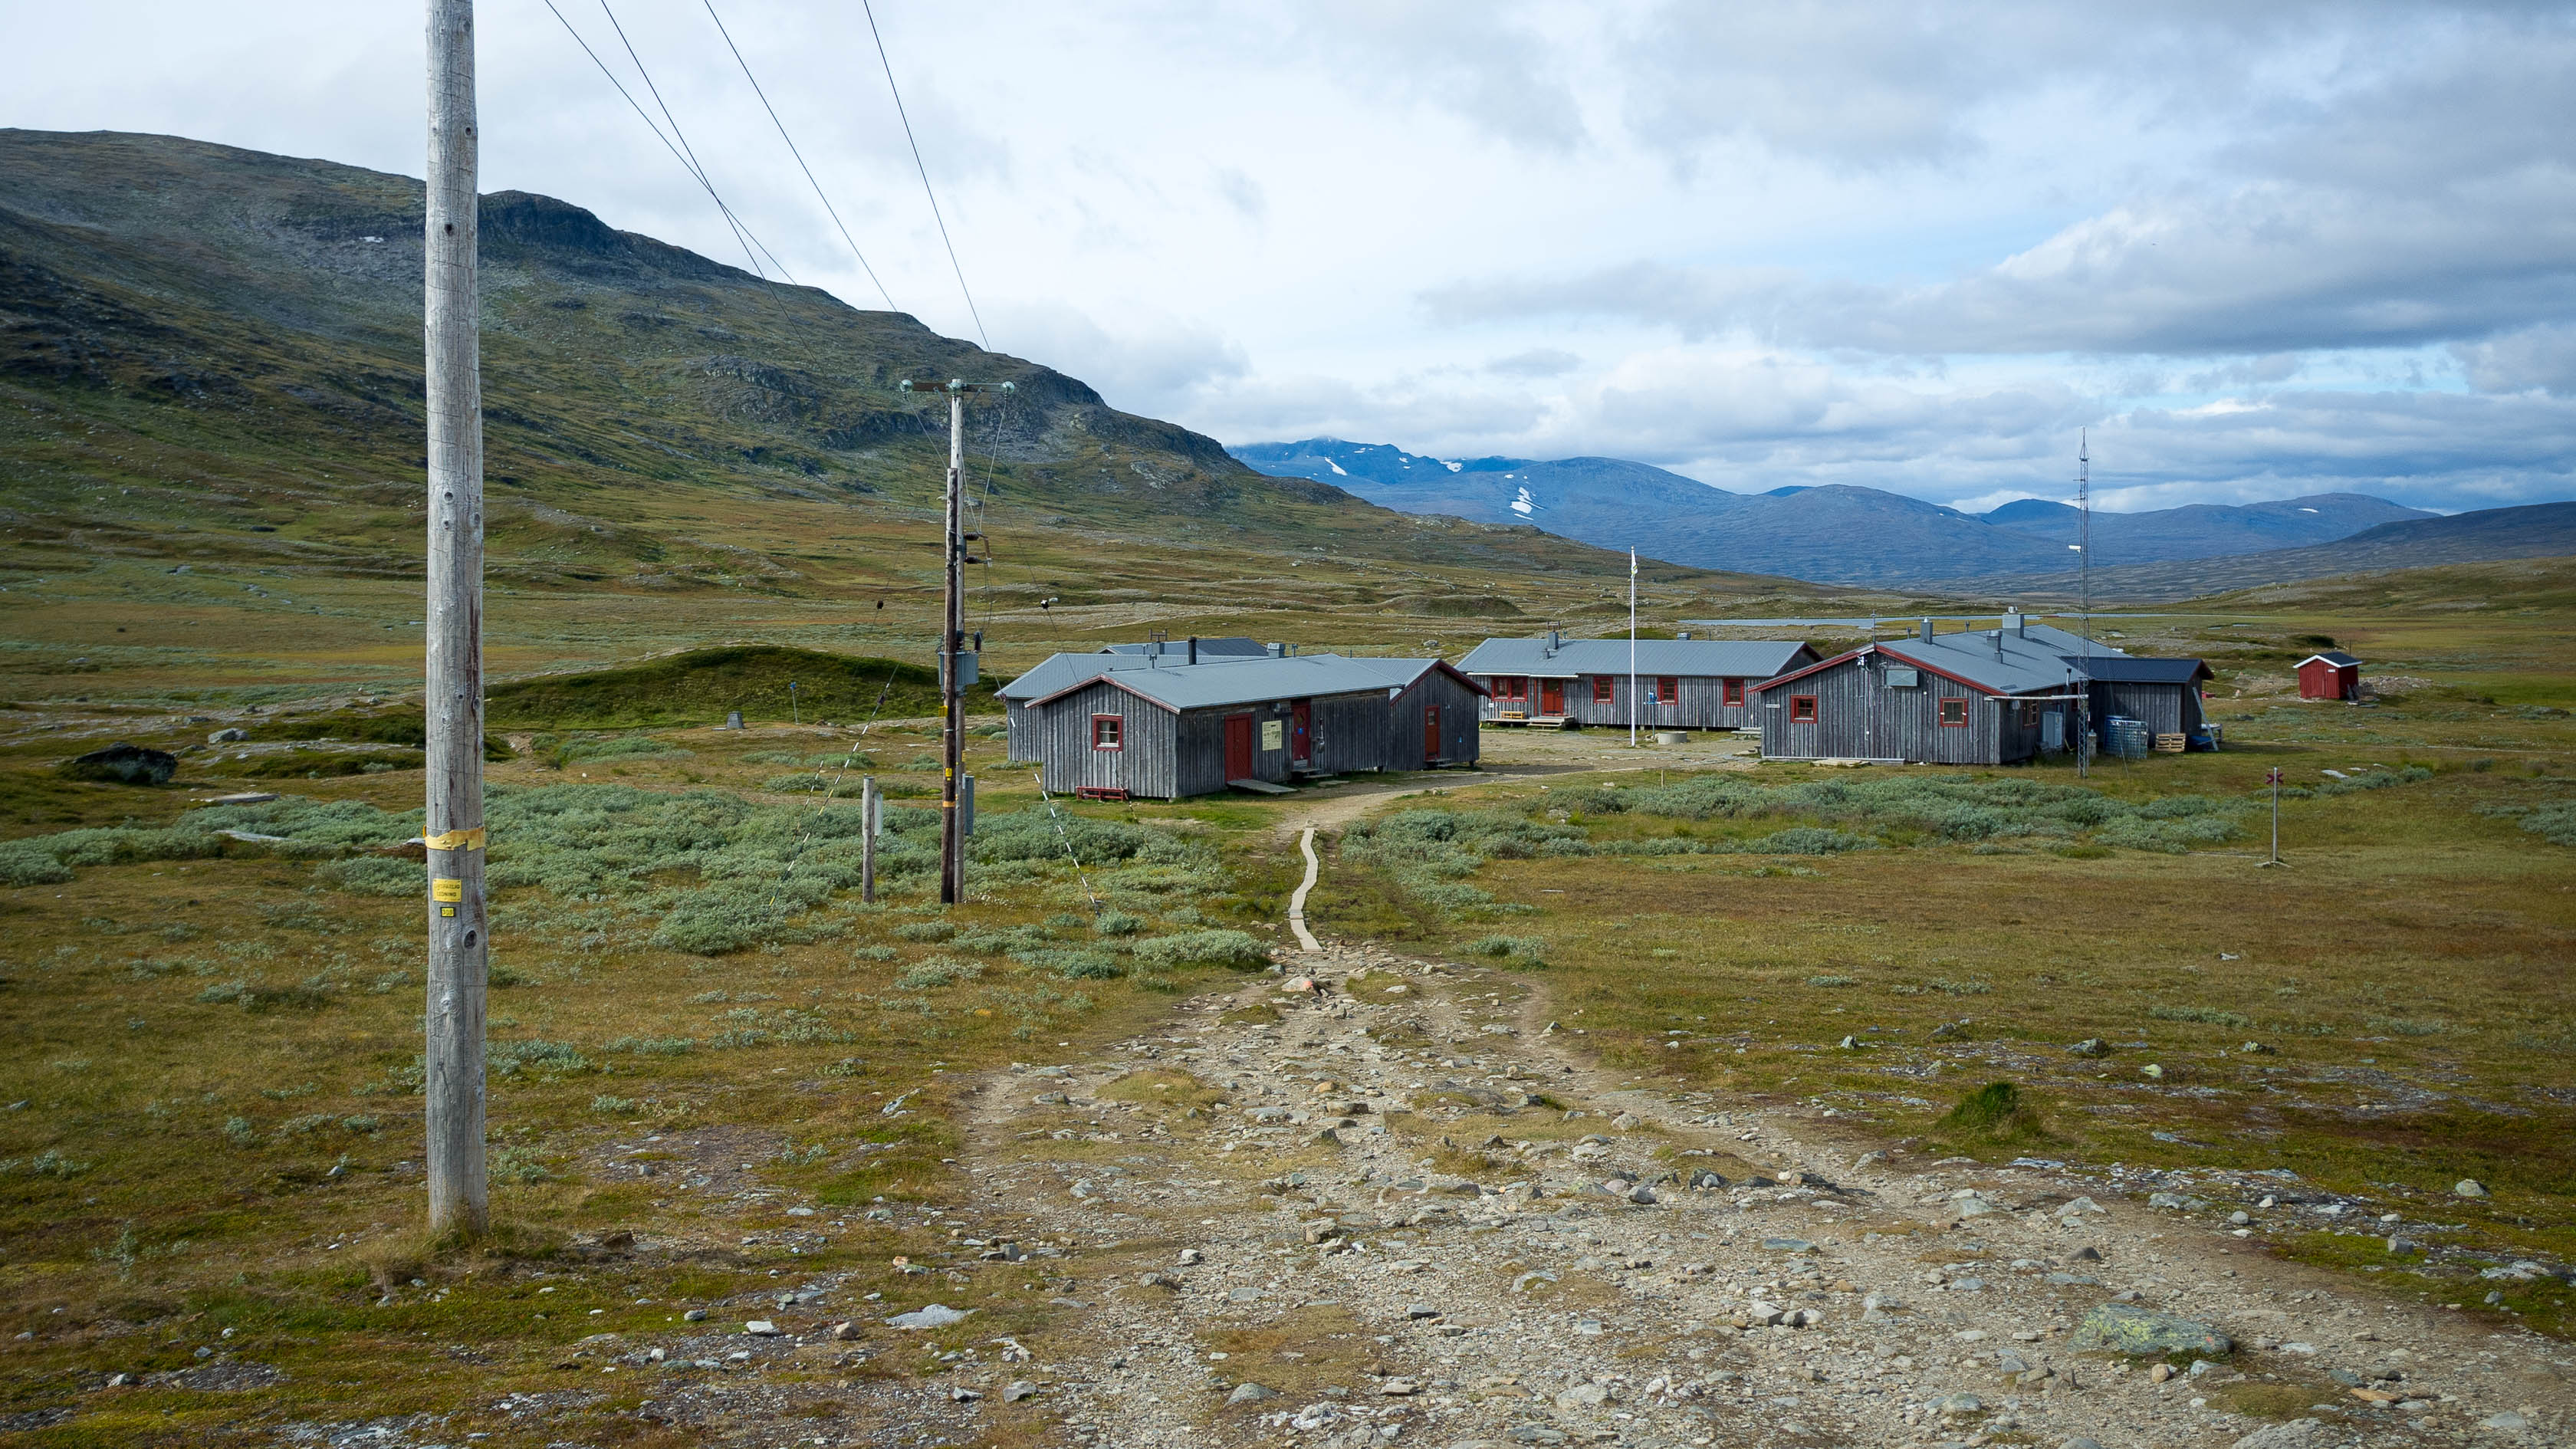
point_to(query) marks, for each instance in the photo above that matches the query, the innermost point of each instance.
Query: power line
(741, 234)
(799, 155)
(694, 164)
(981, 335)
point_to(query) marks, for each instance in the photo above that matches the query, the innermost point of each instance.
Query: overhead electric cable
(696, 166)
(971, 311)
(799, 155)
(740, 234)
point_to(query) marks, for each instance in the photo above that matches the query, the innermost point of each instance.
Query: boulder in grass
(122, 764)
(2127, 1328)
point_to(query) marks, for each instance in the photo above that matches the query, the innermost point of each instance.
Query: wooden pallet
(1100, 792)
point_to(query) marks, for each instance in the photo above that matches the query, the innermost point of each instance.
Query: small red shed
(2330, 675)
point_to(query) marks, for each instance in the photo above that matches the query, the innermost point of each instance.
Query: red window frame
(1734, 696)
(1668, 690)
(1605, 688)
(1802, 709)
(1512, 687)
(1954, 703)
(1114, 738)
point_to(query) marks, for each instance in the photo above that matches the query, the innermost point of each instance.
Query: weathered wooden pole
(868, 839)
(453, 830)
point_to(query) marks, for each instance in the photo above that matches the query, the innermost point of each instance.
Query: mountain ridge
(1838, 533)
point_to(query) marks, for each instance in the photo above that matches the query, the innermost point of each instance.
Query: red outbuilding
(2331, 675)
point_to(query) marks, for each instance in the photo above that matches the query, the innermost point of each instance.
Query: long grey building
(1695, 684)
(1058, 670)
(1145, 726)
(1985, 697)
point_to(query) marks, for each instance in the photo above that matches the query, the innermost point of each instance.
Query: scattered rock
(846, 1332)
(2470, 1187)
(2294, 1434)
(761, 1328)
(1422, 1310)
(2508, 1419)
(1019, 1389)
(936, 1315)
(226, 737)
(694, 1315)
(121, 764)
(1627, 1121)
(1165, 1281)
(1583, 1396)
(2091, 1046)
(2127, 1328)
(1250, 1393)
(1788, 1245)
(1192, 1257)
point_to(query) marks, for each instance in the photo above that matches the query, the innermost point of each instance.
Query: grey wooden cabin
(1685, 684)
(1177, 729)
(1987, 697)
(1058, 670)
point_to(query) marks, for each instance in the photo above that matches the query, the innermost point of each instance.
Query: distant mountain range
(1831, 534)
(2538, 530)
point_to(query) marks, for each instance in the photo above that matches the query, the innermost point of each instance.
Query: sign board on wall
(1274, 734)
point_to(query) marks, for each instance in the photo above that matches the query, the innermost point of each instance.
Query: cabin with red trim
(2332, 674)
(1982, 697)
(1678, 684)
(1147, 728)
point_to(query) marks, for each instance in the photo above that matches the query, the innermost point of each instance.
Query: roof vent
(2020, 623)
(1999, 643)
(1927, 630)
(1555, 641)
(1277, 650)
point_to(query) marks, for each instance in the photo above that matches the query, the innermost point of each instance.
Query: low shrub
(1232, 949)
(1997, 1112)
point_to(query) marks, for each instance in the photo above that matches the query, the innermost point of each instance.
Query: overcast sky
(2259, 249)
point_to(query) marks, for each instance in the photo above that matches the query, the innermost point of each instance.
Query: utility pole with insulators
(459, 944)
(957, 664)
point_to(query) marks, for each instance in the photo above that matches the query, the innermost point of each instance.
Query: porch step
(1258, 787)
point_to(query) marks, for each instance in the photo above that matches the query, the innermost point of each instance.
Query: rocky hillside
(215, 353)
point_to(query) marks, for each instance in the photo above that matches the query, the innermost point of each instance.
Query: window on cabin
(1108, 732)
(1668, 690)
(1604, 688)
(1802, 709)
(1954, 713)
(1734, 696)
(2030, 716)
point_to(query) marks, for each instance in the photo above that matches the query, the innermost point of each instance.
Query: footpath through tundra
(1385, 1201)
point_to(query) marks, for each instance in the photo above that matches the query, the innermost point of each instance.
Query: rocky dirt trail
(1372, 1199)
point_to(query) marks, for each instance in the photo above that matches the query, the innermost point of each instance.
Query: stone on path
(2294, 1434)
(2127, 1328)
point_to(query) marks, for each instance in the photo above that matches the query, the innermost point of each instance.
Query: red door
(1551, 697)
(1430, 733)
(1238, 747)
(1301, 739)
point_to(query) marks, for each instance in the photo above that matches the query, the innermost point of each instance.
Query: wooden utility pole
(459, 947)
(954, 657)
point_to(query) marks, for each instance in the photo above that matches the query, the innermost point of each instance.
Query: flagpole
(1632, 648)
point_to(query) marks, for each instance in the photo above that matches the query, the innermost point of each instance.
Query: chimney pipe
(2020, 624)
(1999, 643)
(1927, 630)
(1194, 648)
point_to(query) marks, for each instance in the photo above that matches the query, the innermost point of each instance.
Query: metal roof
(2031, 662)
(1058, 670)
(1729, 658)
(1234, 647)
(2335, 657)
(2136, 669)
(1242, 681)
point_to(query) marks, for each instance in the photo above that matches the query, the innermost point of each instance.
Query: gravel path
(1289, 1259)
